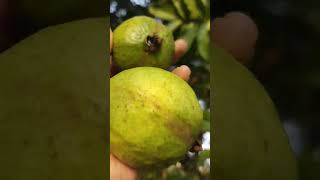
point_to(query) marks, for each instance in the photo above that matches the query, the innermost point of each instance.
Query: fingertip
(183, 72)
(181, 47)
(119, 170)
(237, 33)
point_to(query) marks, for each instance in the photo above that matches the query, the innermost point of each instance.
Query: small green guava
(155, 117)
(142, 41)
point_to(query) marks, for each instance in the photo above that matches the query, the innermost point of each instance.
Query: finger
(237, 33)
(120, 171)
(183, 72)
(181, 47)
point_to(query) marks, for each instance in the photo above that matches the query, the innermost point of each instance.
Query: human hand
(119, 170)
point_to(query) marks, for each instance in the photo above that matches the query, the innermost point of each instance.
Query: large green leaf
(203, 40)
(165, 12)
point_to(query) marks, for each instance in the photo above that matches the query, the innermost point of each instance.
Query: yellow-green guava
(53, 104)
(142, 41)
(155, 117)
(249, 142)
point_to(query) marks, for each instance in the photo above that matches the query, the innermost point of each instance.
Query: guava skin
(142, 41)
(249, 141)
(53, 106)
(154, 117)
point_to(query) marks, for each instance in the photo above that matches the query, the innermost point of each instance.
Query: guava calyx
(153, 43)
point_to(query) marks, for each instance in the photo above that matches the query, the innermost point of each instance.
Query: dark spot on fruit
(153, 43)
(157, 106)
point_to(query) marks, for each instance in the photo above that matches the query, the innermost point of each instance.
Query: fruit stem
(153, 43)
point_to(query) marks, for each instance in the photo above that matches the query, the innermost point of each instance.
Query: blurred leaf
(203, 155)
(175, 24)
(205, 126)
(206, 121)
(203, 40)
(206, 5)
(179, 7)
(206, 115)
(165, 12)
(175, 174)
(148, 174)
(189, 32)
(195, 12)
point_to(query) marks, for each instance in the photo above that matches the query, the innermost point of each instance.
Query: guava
(249, 142)
(155, 117)
(142, 41)
(53, 106)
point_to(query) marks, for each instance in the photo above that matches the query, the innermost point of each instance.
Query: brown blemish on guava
(176, 125)
(180, 130)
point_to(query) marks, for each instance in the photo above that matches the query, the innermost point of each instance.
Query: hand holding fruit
(119, 170)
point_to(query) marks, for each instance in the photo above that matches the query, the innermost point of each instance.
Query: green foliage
(188, 19)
